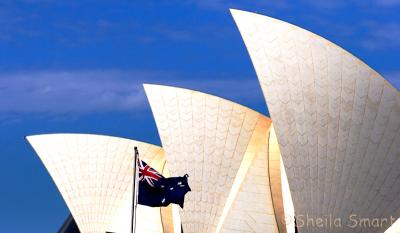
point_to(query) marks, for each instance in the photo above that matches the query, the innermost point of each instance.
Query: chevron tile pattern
(252, 208)
(207, 137)
(336, 119)
(94, 175)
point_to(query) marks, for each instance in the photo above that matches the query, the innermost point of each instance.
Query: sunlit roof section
(249, 206)
(219, 144)
(94, 175)
(337, 122)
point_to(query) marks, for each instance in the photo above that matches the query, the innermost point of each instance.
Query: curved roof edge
(242, 15)
(90, 134)
(78, 162)
(147, 85)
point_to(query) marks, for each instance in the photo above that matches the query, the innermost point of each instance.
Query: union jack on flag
(147, 173)
(155, 190)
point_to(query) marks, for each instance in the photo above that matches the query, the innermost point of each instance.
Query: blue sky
(78, 66)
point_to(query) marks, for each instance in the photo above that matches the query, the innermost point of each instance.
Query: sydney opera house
(327, 159)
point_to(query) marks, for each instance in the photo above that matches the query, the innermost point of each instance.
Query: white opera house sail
(337, 123)
(224, 147)
(94, 174)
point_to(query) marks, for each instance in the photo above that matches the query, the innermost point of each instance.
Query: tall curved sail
(336, 119)
(223, 146)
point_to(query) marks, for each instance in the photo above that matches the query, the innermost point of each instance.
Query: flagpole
(134, 191)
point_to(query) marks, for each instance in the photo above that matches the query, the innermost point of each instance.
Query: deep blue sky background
(78, 66)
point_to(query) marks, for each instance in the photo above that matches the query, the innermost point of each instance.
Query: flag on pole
(135, 188)
(155, 190)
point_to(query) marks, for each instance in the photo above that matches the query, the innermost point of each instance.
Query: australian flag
(155, 190)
